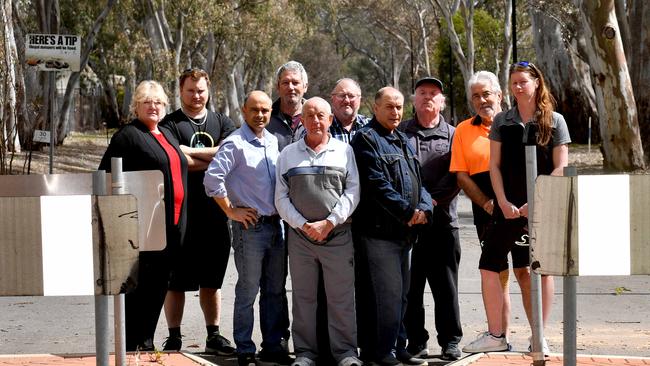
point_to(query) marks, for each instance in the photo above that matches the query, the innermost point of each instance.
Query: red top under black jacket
(140, 150)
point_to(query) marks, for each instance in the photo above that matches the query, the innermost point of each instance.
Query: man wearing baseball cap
(436, 254)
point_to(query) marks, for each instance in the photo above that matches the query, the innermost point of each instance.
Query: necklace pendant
(199, 144)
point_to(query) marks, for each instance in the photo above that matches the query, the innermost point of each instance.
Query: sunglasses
(529, 66)
(522, 64)
(193, 70)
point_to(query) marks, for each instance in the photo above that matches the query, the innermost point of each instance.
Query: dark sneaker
(246, 359)
(172, 344)
(418, 350)
(146, 346)
(218, 345)
(389, 360)
(450, 352)
(407, 359)
(274, 358)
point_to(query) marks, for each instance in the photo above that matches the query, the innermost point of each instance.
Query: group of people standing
(360, 211)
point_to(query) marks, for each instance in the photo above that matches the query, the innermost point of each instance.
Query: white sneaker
(350, 361)
(486, 342)
(545, 348)
(303, 361)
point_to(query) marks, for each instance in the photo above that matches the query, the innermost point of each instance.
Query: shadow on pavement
(232, 361)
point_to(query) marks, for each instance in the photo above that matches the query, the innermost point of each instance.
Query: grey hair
(339, 81)
(292, 66)
(484, 77)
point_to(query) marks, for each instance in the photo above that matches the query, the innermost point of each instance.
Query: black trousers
(144, 304)
(435, 259)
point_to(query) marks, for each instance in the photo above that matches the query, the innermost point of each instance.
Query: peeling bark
(619, 128)
(9, 133)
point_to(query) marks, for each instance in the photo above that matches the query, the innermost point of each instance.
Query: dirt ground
(81, 152)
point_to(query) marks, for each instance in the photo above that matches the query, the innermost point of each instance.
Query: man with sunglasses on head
(204, 258)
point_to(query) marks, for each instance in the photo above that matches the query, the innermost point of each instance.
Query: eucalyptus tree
(615, 99)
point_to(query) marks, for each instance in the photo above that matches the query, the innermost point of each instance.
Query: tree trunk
(153, 27)
(9, 113)
(209, 68)
(503, 65)
(619, 128)
(624, 25)
(178, 47)
(64, 126)
(24, 123)
(464, 59)
(110, 94)
(233, 98)
(566, 74)
(47, 15)
(129, 88)
(639, 11)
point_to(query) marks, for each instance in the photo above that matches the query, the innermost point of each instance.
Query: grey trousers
(336, 258)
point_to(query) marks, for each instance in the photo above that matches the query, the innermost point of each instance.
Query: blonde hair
(147, 90)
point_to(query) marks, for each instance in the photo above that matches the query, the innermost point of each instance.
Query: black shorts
(499, 238)
(204, 257)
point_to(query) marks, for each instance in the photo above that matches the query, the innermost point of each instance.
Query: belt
(268, 219)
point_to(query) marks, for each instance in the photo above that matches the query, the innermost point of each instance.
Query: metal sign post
(530, 141)
(569, 304)
(102, 330)
(117, 187)
(52, 81)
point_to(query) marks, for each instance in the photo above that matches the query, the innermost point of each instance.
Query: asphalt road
(608, 323)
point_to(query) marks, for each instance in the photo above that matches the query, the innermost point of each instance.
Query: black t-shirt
(207, 131)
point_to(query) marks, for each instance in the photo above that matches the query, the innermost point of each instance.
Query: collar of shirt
(512, 117)
(250, 136)
(303, 146)
(383, 131)
(359, 121)
(441, 129)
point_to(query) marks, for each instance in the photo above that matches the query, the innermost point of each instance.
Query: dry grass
(80, 153)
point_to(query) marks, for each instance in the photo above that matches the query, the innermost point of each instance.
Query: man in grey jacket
(436, 255)
(317, 189)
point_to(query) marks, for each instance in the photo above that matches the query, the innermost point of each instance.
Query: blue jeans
(388, 264)
(261, 266)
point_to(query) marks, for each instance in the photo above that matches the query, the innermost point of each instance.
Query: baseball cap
(429, 80)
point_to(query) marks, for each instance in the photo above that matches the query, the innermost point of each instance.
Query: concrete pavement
(613, 314)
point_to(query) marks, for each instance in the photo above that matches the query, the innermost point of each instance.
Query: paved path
(518, 359)
(142, 359)
(608, 324)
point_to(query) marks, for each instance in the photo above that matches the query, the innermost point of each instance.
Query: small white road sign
(41, 136)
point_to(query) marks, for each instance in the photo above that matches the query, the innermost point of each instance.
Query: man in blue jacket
(393, 202)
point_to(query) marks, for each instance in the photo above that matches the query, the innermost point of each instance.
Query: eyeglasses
(485, 95)
(151, 102)
(342, 96)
